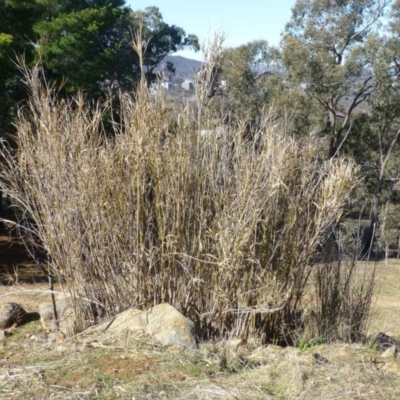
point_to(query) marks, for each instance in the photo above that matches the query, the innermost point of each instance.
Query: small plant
(372, 346)
(320, 340)
(303, 344)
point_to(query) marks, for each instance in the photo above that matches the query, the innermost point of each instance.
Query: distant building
(167, 86)
(188, 85)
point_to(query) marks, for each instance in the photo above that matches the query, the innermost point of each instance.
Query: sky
(242, 21)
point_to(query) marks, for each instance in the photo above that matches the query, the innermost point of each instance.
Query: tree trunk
(374, 223)
(335, 143)
(376, 203)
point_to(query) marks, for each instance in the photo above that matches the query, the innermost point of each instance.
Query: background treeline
(334, 76)
(231, 206)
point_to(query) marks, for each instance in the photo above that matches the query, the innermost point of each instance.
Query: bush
(222, 227)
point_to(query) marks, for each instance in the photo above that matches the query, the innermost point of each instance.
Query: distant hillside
(185, 67)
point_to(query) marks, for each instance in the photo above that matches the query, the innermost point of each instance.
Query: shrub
(222, 227)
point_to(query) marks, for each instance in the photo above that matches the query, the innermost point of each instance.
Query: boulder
(168, 326)
(13, 315)
(164, 323)
(132, 319)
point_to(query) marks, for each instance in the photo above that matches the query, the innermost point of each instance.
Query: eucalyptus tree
(324, 53)
(250, 74)
(375, 144)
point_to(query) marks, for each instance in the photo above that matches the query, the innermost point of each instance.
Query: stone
(13, 315)
(382, 341)
(164, 323)
(390, 352)
(40, 337)
(168, 326)
(131, 319)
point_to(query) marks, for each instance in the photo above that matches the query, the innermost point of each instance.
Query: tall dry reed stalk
(221, 227)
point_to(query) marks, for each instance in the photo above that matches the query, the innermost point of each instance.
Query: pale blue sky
(243, 21)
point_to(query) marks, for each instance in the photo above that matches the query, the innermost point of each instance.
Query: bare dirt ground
(123, 366)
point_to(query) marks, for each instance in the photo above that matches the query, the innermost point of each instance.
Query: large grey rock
(164, 323)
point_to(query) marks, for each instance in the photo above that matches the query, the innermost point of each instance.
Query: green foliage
(373, 346)
(325, 52)
(5, 42)
(16, 38)
(159, 39)
(388, 234)
(80, 45)
(250, 75)
(90, 45)
(304, 345)
(86, 47)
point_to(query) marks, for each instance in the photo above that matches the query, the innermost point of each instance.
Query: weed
(373, 346)
(303, 344)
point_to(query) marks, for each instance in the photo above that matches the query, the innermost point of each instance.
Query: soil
(22, 278)
(18, 264)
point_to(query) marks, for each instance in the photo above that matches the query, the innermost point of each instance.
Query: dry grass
(386, 310)
(125, 367)
(222, 227)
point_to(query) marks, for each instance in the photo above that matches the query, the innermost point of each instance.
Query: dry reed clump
(221, 227)
(342, 300)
